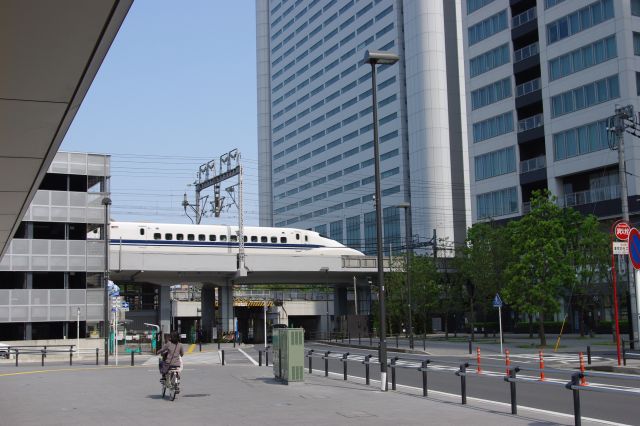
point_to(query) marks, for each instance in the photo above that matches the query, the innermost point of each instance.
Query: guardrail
(43, 351)
(576, 383)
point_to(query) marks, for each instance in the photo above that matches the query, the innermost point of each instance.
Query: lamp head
(380, 57)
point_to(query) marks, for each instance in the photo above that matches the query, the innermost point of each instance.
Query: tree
(539, 267)
(481, 264)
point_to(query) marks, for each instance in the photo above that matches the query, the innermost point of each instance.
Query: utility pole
(624, 121)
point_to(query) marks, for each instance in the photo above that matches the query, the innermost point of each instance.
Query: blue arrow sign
(497, 302)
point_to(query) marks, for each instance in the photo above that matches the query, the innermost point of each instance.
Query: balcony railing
(527, 87)
(525, 52)
(524, 17)
(593, 195)
(533, 164)
(530, 123)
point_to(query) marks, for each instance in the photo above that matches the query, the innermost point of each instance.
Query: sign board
(620, 247)
(634, 248)
(497, 302)
(622, 231)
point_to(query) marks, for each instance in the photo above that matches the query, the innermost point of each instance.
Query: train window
(306, 238)
(157, 236)
(202, 237)
(274, 239)
(254, 239)
(212, 237)
(263, 239)
(141, 231)
(283, 240)
(179, 237)
(245, 238)
(191, 237)
(297, 236)
(168, 236)
(223, 238)
(234, 238)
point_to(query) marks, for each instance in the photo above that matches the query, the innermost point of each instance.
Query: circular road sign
(634, 247)
(622, 231)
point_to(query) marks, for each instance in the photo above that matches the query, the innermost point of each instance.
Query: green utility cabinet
(288, 354)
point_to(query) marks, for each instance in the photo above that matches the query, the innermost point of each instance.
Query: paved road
(550, 395)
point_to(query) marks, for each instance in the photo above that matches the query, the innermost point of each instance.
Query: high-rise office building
(315, 118)
(542, 79)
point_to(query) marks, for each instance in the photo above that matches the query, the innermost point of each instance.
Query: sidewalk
(228, 395)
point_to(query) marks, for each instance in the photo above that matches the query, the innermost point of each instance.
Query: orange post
(507, 361)
(478, 368)
(583, 379)
(541, 366)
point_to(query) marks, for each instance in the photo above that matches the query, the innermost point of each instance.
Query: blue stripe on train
(224, 244)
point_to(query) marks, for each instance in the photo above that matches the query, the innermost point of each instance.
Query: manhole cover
(196, 395)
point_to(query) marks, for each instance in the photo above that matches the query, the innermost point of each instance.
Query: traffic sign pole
(500, 323)
(615, 230)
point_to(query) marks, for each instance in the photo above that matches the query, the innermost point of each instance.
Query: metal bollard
(425, 364)
(397, 341)
(470, 349)
(359, 340)
(366, 368)
(266, 357)
(541, 366)
(310, 355)
(573, 385)
(234, 342)
(393, 372)
(589, 355)
(97, 356)
(200, 344)
(43, 357)
(344, 365)
(279, 363)
(326, 363)
(260, 358)
(223, 357)
(370, 340)
(463, 382)
(17, 353)
(341, 337)
(478, 359)
(424, 342)
(583, 378)
(218, 344)
(132, 358)
(512, 386)
(70, 357)
(624, 354)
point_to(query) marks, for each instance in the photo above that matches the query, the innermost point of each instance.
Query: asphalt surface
(490, 385)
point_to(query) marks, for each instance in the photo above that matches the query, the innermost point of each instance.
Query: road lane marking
(21, 373)
(249, 357)
(191, 348)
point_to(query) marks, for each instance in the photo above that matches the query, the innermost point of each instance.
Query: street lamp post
(408, 247)
(374, 58)
(106, 202)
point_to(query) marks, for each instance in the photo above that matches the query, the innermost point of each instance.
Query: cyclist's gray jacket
(173, 353)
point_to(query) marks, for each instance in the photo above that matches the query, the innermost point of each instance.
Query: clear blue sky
(177, 88)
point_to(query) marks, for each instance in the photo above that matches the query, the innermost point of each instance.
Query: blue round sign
(634, 247)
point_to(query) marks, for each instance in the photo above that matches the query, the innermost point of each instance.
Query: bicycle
(172, 383)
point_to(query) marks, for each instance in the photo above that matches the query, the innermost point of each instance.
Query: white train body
(221, 239)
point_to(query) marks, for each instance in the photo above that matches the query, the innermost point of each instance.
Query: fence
(18, 352)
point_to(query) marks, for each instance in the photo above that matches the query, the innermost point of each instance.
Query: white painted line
(470, 398)
(249, 357)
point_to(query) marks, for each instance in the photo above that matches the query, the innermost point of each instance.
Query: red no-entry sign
(622, 231)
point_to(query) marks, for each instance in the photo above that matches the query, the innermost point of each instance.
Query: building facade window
(580, 20)
(391, 220)
(321, 229)
(492, 127)
(488, 27)
(335, 231)
(473, 5)
(581, 140)
(491, 93)
(635, 7)
(585, 96)
(551, 3)
(497, 203)
(370, 244)
(489, 60)
(495, 163)
(353, 232)
(586, 57)
(636, 43)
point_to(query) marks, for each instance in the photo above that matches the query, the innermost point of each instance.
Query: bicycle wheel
(164, 390)
(172, 393)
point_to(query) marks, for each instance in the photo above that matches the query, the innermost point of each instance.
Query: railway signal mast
(213, 173)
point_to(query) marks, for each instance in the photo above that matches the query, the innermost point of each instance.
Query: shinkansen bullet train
(221, 239)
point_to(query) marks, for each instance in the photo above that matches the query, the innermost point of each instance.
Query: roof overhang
(50, 53)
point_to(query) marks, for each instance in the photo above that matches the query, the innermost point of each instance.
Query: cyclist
(172, 354)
